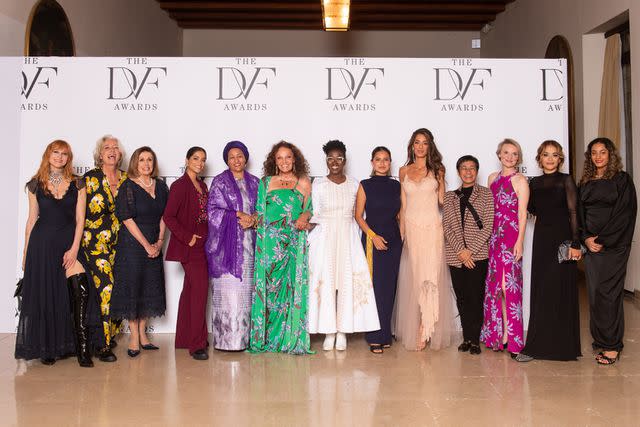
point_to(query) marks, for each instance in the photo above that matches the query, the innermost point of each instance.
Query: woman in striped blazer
(468, 222)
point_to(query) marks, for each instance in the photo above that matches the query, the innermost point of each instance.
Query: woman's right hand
(152, 250)
(194, 239)
(590, 243)
(245, 221)
(379, 242)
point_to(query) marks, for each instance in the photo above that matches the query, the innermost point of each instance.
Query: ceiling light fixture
(335, 15)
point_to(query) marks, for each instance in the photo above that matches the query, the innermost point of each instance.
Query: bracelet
(370, 233)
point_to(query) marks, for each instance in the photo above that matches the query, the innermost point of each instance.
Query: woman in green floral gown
(283, 210)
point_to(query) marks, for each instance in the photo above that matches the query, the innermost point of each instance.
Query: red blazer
(180, 216)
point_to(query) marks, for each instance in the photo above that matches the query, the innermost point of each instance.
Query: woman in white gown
(341, 298)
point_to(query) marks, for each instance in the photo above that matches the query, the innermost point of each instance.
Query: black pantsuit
(468, 284)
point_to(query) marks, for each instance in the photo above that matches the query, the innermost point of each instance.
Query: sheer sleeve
(126, 202)
(32, 186)
(531, 206)
(571, 192)
(80, 182)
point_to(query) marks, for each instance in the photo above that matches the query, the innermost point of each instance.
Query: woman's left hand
(301, 223)
(69, 258)
(575, 254)
(518, 250)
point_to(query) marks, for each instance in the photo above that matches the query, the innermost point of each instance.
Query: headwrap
(234, 144)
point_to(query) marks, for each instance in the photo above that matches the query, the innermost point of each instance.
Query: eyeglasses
(335, 159)
(470, 168)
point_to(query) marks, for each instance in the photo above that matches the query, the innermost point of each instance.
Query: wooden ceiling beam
(355, 26)
(222, 17)
(240, 5)
(365, 6)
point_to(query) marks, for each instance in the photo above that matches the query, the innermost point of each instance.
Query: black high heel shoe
(133, 353)
(150, 347)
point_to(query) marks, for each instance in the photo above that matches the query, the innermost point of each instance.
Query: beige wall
(432, 44)
(100, 28)
(524, 30)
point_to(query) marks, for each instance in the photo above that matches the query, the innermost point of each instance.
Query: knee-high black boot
(78, 289)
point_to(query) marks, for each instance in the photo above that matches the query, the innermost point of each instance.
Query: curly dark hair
(334, 144)
(613, 167)
(300, 165)
(434, 158)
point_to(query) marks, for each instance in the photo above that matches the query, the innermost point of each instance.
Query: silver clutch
(563, 251)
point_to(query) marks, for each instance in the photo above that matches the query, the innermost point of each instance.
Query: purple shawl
(224, 242)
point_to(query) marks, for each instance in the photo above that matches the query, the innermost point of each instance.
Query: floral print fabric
(98, 244)
(279, 309)
(503, 268)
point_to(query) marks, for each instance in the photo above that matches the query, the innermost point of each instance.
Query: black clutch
(18, 291)
(563, 251)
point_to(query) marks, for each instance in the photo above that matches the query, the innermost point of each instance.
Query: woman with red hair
(52, 240)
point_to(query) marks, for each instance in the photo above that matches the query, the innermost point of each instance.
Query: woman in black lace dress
(139, 274)
(52, 240)
(554, 323)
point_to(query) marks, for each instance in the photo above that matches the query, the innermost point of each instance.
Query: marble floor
(354, 387)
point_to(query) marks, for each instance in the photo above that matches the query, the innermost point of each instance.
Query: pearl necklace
(146, 185)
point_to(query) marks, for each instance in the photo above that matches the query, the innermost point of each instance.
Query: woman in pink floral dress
(502, 327)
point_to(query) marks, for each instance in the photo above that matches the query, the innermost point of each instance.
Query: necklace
(146, 185)
(55, 178)
(285, 182)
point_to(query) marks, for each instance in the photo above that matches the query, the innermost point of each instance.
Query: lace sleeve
(80, 182)
(32, 186)
(126, 202)
(572, 204)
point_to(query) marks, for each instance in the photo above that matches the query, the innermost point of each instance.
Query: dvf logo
(348, 84)
(451, 84)
(552, 84)
(233, 83)
(124, 82)
(41, 77)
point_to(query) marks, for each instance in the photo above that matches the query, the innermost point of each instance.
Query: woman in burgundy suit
(186, 217)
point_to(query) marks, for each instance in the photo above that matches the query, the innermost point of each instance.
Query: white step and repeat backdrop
(172, 104)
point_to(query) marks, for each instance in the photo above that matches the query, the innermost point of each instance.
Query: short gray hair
(100, 144)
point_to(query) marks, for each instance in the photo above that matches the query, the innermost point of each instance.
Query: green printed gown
(279, 309)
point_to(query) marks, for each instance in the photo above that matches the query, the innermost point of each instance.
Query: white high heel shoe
(341, 341)
(329, 341)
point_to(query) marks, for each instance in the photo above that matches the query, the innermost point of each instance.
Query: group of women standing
(285, 259)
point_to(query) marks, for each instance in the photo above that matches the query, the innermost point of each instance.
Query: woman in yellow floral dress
(101, 234)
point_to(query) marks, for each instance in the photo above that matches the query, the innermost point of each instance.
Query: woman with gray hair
(101, 234)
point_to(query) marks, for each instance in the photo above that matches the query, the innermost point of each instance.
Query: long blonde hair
(42, 175)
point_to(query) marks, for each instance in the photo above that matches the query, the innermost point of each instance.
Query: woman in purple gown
(502, 327)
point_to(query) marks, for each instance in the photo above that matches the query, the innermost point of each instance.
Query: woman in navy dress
(379, 198)
(139, 272)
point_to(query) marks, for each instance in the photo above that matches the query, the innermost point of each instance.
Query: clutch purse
(563, 251)
(18, 291)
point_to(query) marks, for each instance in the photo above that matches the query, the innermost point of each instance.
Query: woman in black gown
(608, 209)
(52, 240)
(554, 323)
(379, 198)
(139, 273)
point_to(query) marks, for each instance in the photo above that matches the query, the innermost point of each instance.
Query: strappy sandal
(602, 359)
(376, 348)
